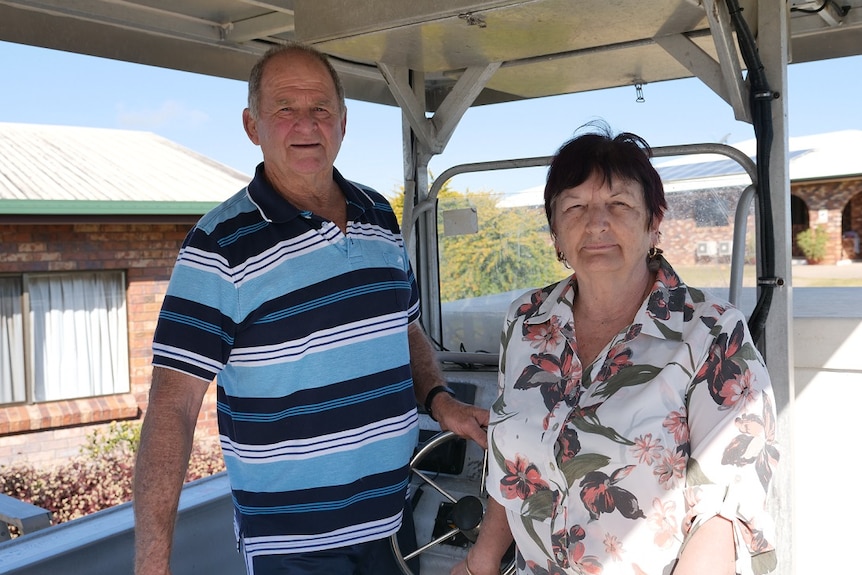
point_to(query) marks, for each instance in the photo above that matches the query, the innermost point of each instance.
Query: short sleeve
(734, 453)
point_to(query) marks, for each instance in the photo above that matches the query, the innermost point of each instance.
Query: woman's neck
(609, 299)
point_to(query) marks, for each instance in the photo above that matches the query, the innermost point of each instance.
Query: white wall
(828, 420)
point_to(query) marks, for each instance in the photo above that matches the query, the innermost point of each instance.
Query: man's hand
(464, 420)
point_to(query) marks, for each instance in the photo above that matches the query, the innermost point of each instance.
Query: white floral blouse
(608, 468)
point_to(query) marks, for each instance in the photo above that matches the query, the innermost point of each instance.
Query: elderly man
(298, 294)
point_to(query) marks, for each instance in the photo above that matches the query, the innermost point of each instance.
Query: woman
(634, 430)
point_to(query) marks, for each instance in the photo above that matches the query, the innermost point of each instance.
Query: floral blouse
(608, 468)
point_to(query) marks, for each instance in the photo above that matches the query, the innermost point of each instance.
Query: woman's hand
(495, 537)
(475, 566)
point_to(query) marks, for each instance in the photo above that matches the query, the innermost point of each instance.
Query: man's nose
(305, 121)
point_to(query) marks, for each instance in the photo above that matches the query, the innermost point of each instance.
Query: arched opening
(798, 222)
(851, 228)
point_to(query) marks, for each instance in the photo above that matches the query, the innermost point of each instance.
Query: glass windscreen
(494, 247)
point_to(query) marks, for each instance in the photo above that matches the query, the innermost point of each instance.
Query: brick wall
(43, 433)
(826, 202)
(682, 233)
(835, 205)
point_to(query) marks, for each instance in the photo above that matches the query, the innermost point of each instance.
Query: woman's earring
(561, 257)
(654, 252)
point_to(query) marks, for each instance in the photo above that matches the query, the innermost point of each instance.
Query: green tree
(512, 249)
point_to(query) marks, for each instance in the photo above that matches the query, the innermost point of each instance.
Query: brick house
(825, 190)
(90, 224)
(703, 192)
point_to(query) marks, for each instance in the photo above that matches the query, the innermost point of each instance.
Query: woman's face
(603, 228)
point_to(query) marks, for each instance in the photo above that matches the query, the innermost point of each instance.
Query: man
(298, 294)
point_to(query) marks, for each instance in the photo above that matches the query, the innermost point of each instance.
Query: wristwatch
(432, 394)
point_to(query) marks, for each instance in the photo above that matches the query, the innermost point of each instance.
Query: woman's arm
(710, 551)
(495, 537)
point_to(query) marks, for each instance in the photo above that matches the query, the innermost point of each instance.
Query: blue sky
(205, 114)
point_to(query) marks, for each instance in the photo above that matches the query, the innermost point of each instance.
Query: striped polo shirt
(306, 329)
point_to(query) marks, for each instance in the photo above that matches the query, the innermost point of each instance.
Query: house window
(711, 212)
(62, 336)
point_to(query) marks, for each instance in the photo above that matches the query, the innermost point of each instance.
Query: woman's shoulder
(537, 300)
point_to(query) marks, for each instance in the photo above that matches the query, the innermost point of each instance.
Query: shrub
(813, 243)
(99, 478)
(123, 436)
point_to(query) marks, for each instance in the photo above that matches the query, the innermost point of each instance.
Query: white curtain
(12, 385)
(78, 342)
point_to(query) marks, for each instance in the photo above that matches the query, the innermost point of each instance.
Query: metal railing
(103, 543)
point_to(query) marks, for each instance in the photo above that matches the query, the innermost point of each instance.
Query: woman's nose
(597, 217)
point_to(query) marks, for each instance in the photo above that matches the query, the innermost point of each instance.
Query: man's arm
(163, 457)
(465, 420)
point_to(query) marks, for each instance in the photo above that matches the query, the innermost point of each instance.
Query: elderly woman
(634, 432)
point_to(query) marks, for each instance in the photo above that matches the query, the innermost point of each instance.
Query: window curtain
(12, 385)
(78, 340)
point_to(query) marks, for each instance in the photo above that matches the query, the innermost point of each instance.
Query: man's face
(300, 123)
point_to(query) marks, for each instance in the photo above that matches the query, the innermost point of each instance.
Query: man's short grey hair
(256, 75)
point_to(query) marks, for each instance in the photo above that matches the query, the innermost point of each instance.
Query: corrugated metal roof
(821, 156)
(65, 165)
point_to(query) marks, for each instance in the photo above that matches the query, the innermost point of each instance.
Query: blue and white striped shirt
(306, 329)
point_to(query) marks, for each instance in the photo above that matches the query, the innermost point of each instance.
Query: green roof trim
(103, 208)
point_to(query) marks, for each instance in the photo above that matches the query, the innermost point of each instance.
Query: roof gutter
(102, 208)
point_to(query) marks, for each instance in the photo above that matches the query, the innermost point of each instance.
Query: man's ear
(344, 123)
(250, 127)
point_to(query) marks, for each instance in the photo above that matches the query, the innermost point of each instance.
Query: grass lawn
(718, 275)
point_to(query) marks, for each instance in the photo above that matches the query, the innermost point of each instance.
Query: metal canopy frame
(436, 58)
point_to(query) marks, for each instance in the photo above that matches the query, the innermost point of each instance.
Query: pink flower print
(544, 336)
(738, 389)
(588, 563)
(720, 370)
(537, 298)
(613, 547)
(601, 494)
(646, 449)
(617, 360)
(522, 479)
(676, 423)
(755, 443)
(671, 468)
(664, 522)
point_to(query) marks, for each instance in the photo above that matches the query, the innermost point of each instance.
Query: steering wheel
(467, 512)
